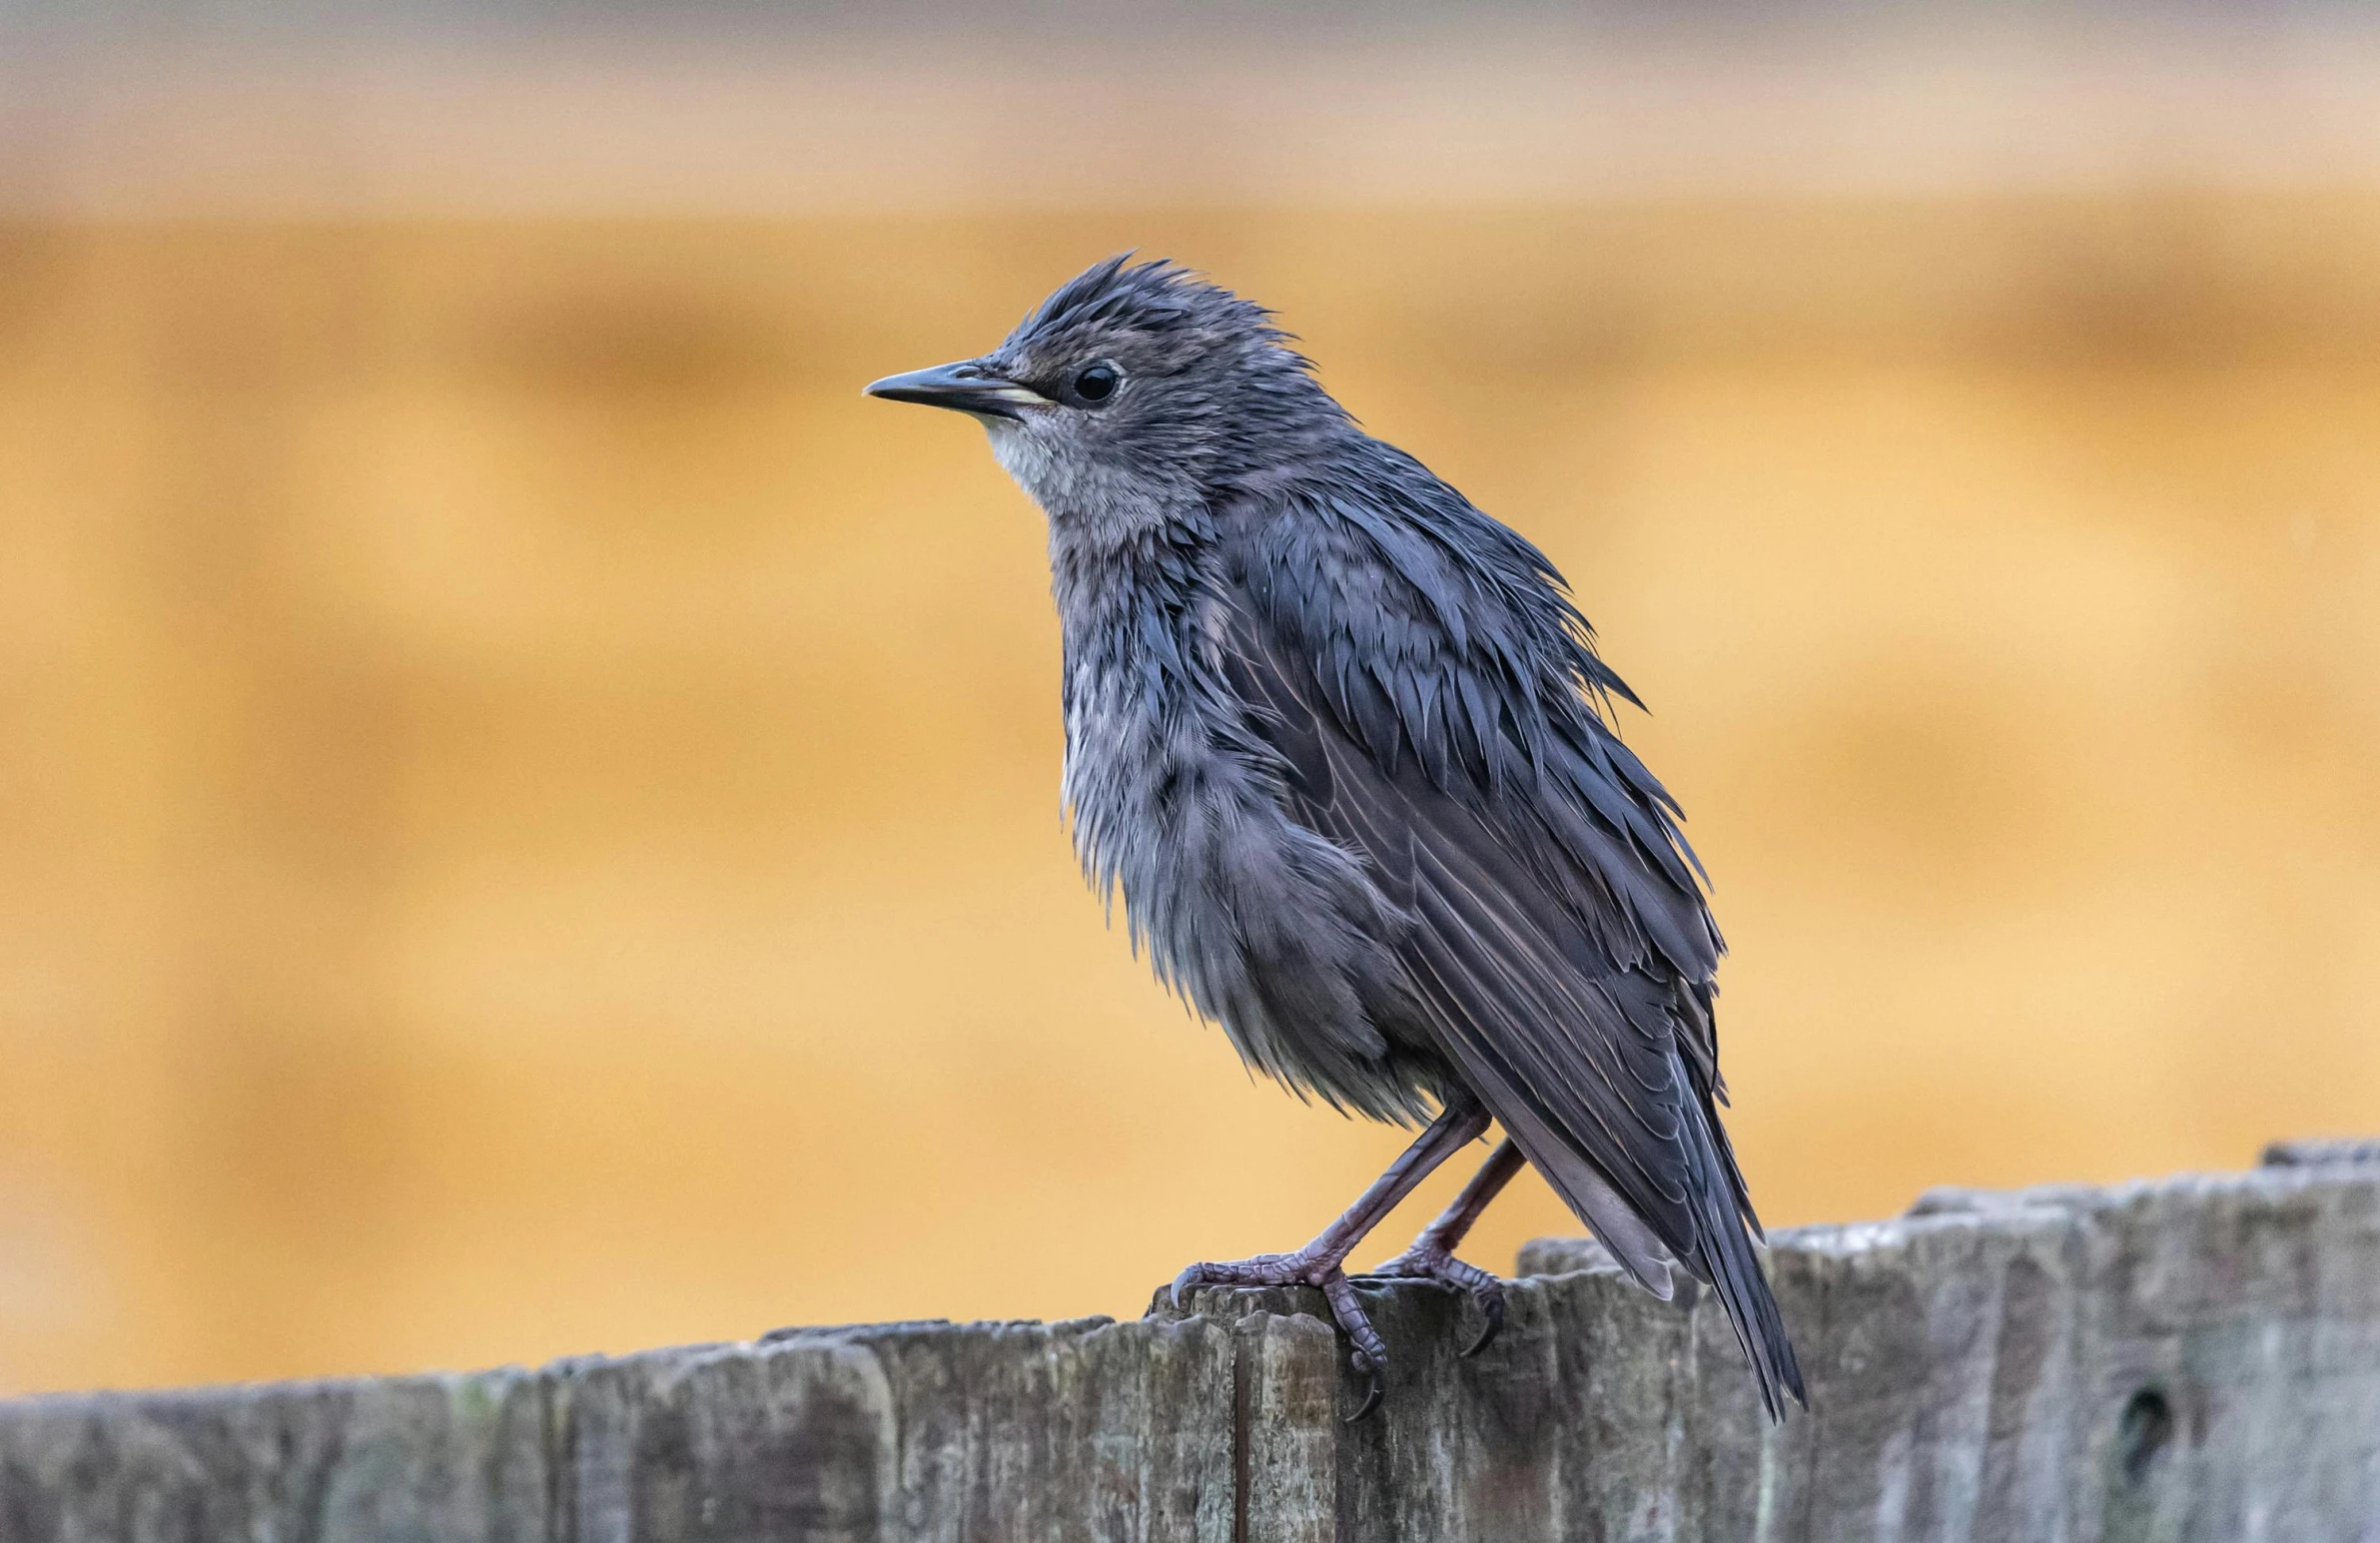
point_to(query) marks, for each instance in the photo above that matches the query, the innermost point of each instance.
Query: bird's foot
(1426, 1262)
(1326, 1274)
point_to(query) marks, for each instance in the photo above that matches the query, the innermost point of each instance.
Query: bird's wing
(1521, 998)
(1559, 938)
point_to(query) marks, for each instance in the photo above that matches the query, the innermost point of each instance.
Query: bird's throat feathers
(1094, 500)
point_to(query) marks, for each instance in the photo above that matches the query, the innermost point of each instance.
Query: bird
(1347, 750)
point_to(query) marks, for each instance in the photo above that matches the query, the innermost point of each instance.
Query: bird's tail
(1725, 1260)
(1718, 1217)
(1721, 1254)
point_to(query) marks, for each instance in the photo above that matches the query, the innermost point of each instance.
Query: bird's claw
(1370, 1354)
(1422, 1262)
(1266, 1270)
(1493, 1312)
(1372, 1391)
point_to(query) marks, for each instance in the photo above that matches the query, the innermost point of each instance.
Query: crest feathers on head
(1156, 296)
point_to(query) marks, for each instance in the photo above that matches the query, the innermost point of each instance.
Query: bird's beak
(966, 387)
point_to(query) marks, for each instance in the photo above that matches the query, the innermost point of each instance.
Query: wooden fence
(2194, 1358)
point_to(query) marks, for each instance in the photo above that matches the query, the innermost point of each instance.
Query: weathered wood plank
(2191, 1359)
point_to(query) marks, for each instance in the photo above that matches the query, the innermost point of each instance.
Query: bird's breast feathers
(1263, 925)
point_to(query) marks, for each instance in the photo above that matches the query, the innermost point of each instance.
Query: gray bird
(1343, 744)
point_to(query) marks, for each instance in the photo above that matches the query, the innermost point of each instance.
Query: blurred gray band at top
(140, 108)
(1075, 14)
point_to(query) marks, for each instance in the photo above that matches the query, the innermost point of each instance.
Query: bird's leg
(1322, 1261)
(1431, 1256)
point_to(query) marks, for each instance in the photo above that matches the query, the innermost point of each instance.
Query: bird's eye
(1094, 383)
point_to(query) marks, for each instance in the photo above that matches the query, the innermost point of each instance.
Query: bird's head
(1131, 392)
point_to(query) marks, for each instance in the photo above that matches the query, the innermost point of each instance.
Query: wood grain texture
(2196, 1358)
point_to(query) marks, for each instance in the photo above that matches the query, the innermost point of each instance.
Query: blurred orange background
(528, 821)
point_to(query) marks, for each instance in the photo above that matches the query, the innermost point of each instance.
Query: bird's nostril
(2146, 1426)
